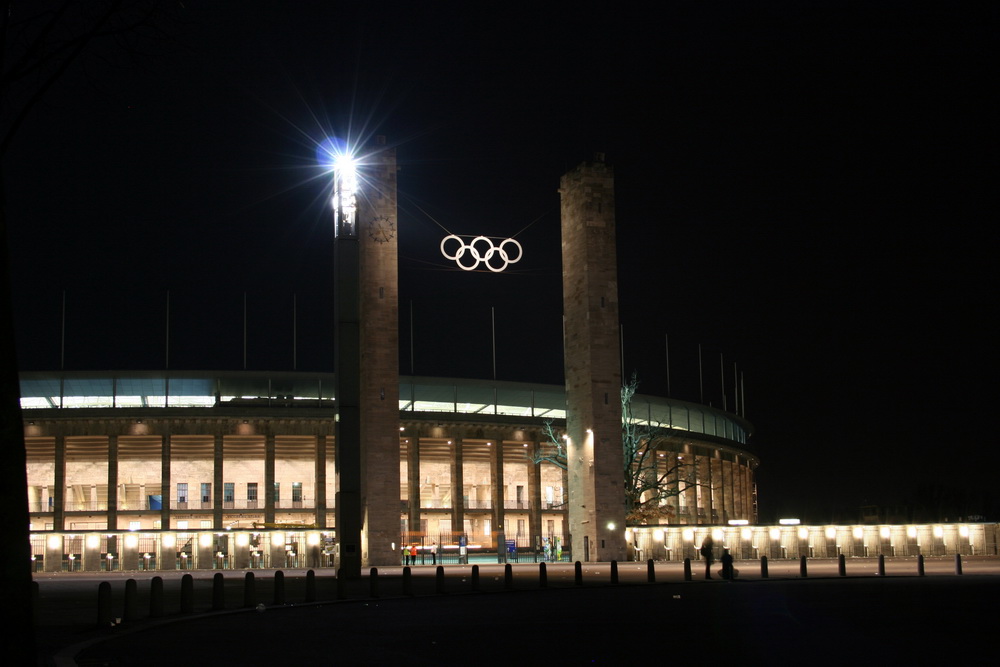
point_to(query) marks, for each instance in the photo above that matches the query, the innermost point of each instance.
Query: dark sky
(801, 188)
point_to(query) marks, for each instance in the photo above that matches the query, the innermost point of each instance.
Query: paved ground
(820, 620)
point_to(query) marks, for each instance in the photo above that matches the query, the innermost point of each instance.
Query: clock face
(381, 229)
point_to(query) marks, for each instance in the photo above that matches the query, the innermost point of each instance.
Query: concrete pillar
(129, 551)
(203, 553)
(59, 485)
(320, 476)
(534, 497)
(497, 489)
(166, 485)
(217, 455)
(413, 483)
(268, 489)
(166, 557)
(458, 492)
(592, 362)
(240, 547)
(53, 553)
(112, 511)
(92, 552)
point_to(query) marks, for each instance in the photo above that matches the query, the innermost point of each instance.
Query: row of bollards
(131, 611)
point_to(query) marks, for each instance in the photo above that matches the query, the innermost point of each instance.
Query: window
(297, 492)
(228, 494)
(277, 492)
(520, 527)
(182, 493)
(206, 523)
(551, 526)
(134, 525)
(182, 525)
(252, 491)
(206, 492)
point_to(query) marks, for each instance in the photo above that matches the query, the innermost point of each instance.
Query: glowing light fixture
(205, 539)
(775, 534)
(738, 522)
(884, 532)
(911, 531)
(169, 540)
(789, 522)
(858, 532)
(938, 531)
(831, 533)
(803, 533)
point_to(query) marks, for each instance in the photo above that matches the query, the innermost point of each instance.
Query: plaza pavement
(823, 619)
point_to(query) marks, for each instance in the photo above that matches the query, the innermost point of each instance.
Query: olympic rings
(480, 250)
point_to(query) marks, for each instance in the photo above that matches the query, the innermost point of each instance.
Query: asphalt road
(820, 619)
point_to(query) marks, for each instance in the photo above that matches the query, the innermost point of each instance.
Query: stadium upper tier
(469, 399)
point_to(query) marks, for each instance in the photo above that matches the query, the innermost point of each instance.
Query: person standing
(708, 553)
(413, 554)
(434, 553)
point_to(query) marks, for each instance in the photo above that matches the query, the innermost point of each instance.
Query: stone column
(320, 476)
(53, 553)
(112, 511)
(497, 495)
(166, 486)
(268, 489)
(217, 482)
(592, 362)
(535, 498)
(458, 491)
(59, 484)
(413, 483)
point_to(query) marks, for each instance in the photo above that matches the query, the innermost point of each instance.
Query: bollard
(373, 582)
(218, 592)
(35, 591)
(310, 586)
(475, 577)
(958, 563)
(920, 565)
(341, 585)
(156, 597)
(407, 581)
(763, 567)
(131, 612)
(578, 573)
(543, 577)
(650, 572)
(187, 594)
(842, 565)
(439, 579)
(508, 577)
(614, 572)
(803, 570)
(279, 587)
(104, 617)
(881, 565)
(687, 569)
(249, 590)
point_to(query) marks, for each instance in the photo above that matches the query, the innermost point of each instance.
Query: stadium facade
(239, 469)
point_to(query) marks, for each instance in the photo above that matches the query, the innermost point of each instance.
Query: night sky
(801, 188)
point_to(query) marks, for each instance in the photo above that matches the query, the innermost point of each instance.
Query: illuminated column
(167, 557)
(92, 552)
(130, 551)
(413, 483)
(497, 497)
(217, 454)
(53, 553)
(534, 496)
(320, 476)
(367, 360)
(112, 515)
(165, 486)
(457, 491)
(269, 476)
(59, 484)
(593, 373)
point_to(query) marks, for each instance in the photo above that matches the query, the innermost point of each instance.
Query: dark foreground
(893, 620)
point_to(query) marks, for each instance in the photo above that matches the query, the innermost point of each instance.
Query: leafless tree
(653, 471)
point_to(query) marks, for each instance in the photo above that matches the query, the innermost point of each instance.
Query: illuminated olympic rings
(480, 250)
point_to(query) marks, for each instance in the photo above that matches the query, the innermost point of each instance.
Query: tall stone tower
(593, 372)
(367, 365)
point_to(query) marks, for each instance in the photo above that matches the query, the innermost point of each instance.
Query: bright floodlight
(337, 156)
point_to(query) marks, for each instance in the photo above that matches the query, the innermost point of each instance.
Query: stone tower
(592, 361)
(367, 365)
